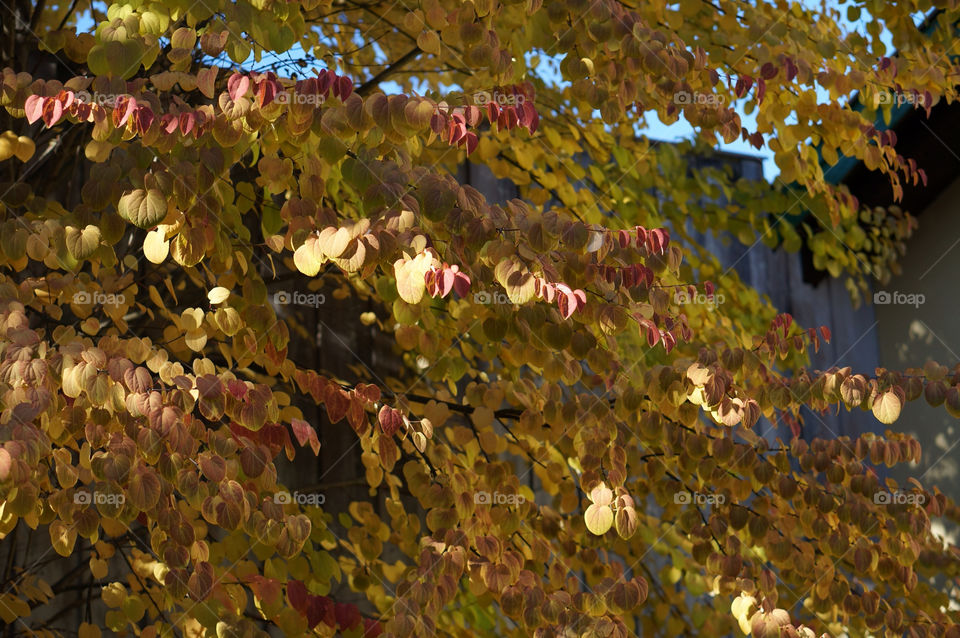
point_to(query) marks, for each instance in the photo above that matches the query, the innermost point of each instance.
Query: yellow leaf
(599, 518)
(98, 567)
(89, 631)
(155, 247)
(218, 295)
(63, 537)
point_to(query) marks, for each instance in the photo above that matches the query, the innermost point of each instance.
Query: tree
(169, 166)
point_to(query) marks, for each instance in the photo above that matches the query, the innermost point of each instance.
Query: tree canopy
(573, 446)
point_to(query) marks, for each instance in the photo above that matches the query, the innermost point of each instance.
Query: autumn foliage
(572, 450)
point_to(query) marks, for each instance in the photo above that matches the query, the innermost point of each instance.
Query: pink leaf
(123, 110)
(34, 108)
(237, 86)
(187, 120)
(581, 298)
(566, 301)
(472, 115)
(447, 277)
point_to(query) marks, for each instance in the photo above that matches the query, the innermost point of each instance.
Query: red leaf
(649, 329)
(324, 79)
(641, 235)
(493, 112)
(791, 70)
(657, 240)
(34, 108)
(368, 392)
(534, 123)
(83, 110)
(65, 98)
(336, 402)
(390, 420)
(461, 284)
(348, 616)
(356, 415)
(305, 432)
(472, 141)
(266, 92)
(769, 71)
(123, 110)
(237, 86)
(432, 282)
(52, 111)
(321, 609)
(669, 341)
(143, 118)
(549, 292)
(825, 333)
(513, 120)
(452, 133)
(237, 388)
(266, 589)
(297, 595)
(371, 628)
(438, 123)
(343, 88)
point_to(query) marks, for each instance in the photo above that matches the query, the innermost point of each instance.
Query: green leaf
(82, 243)
(143, 208)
